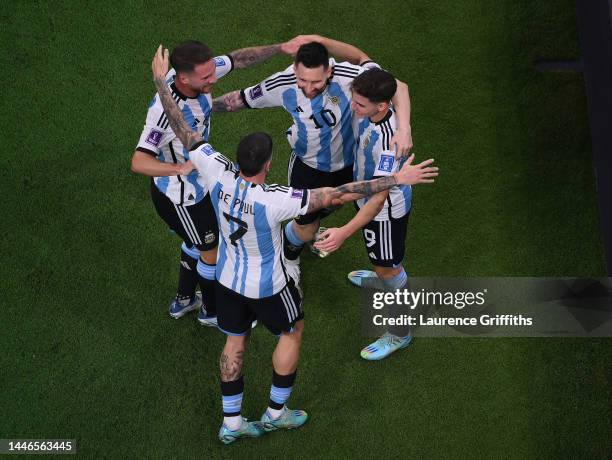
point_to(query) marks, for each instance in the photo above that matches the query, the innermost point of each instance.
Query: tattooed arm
(175, 117)
(408, 175)
(332, 196)
(229, 102)
(246, 57)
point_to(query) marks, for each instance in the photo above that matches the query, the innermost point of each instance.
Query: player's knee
(297, 331)
(235, 344)
(307, 232)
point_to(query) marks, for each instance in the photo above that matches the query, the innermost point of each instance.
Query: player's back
(250, 259)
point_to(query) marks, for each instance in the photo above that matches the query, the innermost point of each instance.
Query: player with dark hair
(176, 189)
(253, 279)
(315, 91)
(383, 217)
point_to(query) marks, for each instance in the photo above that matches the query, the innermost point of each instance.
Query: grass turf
(88, 351)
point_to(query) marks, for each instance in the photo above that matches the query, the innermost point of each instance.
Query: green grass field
(88, 350)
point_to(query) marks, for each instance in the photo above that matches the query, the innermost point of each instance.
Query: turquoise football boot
(288, 419)
(247, 430)
(384, 346)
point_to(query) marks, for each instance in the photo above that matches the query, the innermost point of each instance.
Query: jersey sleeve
(156, 132)
(287, 202)
(345, 72)
(366, 65)
(387, 164)
(209, 163)
(269, 93)
(223, 65)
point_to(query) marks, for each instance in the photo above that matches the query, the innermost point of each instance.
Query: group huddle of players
(350, 141)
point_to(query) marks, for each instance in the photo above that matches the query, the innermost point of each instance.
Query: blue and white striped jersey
(158, 139)
(321, 135)
(250, 260)
(374, 158)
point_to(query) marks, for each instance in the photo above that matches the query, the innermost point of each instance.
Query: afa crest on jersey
(334, 100)
(386, 163)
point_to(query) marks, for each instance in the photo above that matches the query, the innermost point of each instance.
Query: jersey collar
(179, 94)
(384, 119)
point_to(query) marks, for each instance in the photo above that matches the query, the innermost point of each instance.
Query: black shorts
(303, 176)
(385, 241)
(278, 312)
(196, 224)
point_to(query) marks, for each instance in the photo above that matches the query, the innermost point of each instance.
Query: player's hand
(331, 240)
(416, 174)
(291, 47)
(401, 142)
(160, 65)
(185, 169)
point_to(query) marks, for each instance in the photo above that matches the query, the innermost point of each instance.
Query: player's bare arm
(247, 57)
(401, 141)
(410, 174)
(332, 196)
(143, 163)
(341, 50)
(333, 238)
(229, 102)
(181, 129)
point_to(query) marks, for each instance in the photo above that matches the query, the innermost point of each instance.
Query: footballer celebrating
(383, 217)
(178, 195)
(315, 91)
(253, 279)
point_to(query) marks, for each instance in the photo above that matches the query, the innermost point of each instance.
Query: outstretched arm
(408, 175)
(339, 49)
(247, 57)
(333, 238)
(229, 102)
(181, 129)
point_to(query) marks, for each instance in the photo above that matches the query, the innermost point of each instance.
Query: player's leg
(336, 179)
(200, 222)
(303, 229)
(207, 265)
(298, 232)
(284, 362)
(282, 314)
(385, 243)
(234, 318)
(186, 298)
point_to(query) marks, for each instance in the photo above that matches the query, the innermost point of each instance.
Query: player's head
(194, 65)
(312, 68)
(254, 154)
(372, 92)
